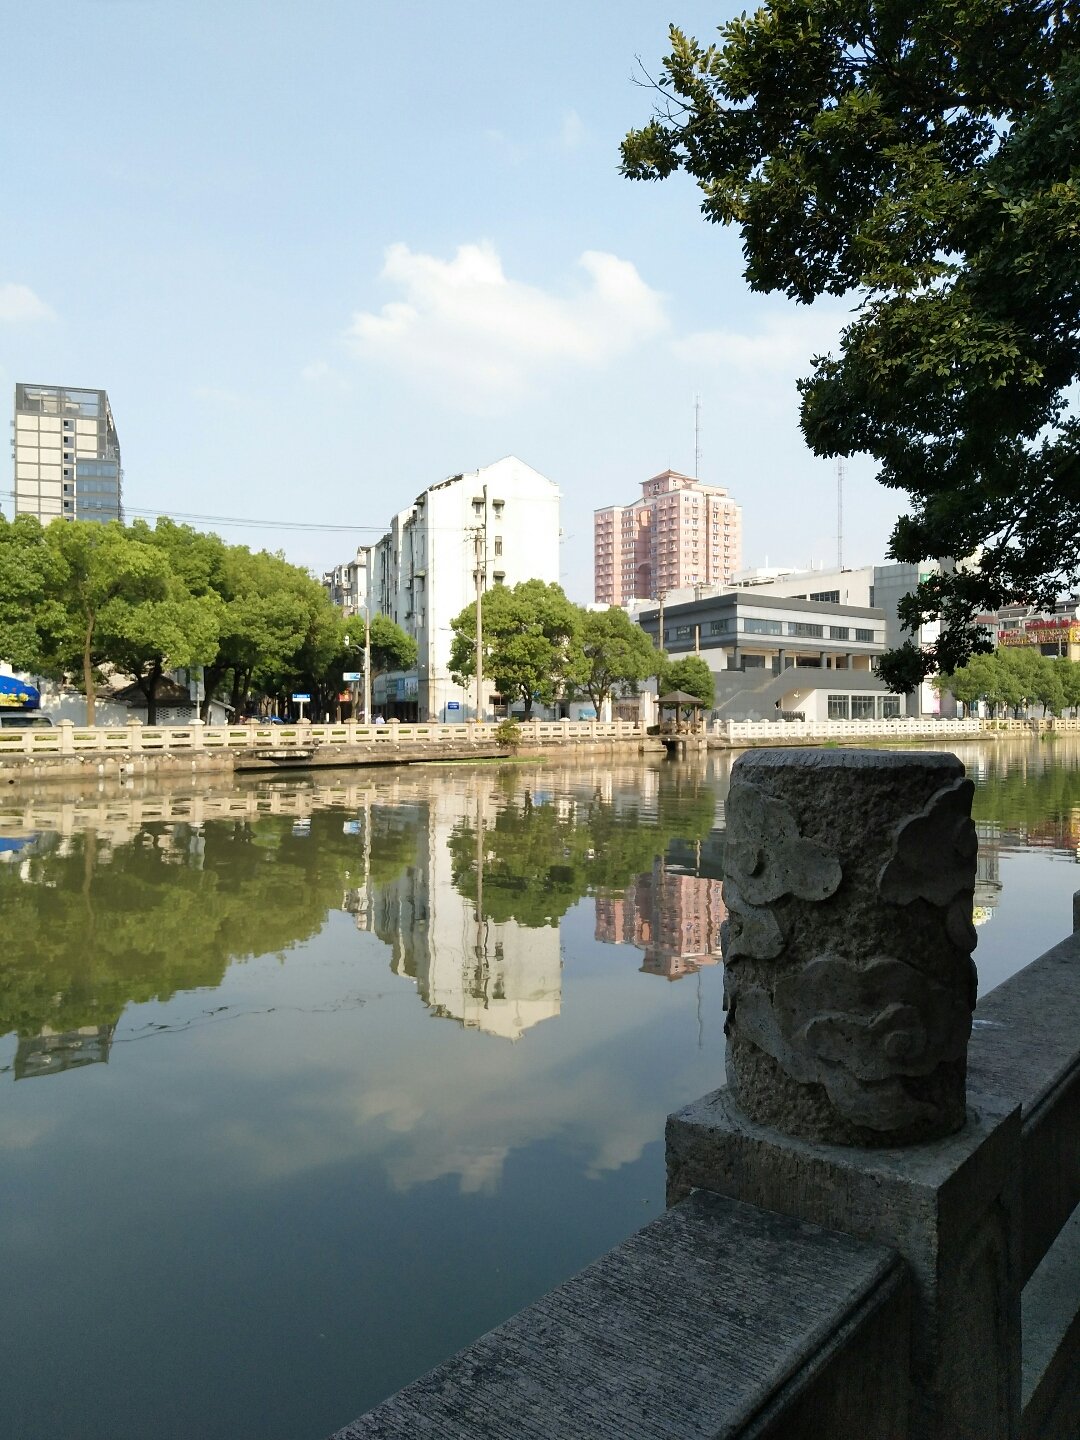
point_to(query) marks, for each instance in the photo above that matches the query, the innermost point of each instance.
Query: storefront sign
(1043, 632)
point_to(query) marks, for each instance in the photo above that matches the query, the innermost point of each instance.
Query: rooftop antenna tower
(697, 437)
(839, 513)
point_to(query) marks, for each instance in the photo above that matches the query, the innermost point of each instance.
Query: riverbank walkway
(269, 743)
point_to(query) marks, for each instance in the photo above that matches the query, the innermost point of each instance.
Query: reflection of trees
(1037, 796)
(540, 859)
(98, 926)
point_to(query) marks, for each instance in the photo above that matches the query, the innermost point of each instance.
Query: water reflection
(329, 1124)
(135, 895)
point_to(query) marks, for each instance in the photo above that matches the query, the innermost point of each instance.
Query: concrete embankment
(122, 765)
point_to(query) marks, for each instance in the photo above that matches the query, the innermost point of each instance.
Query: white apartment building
(67, 455)
(422, 574)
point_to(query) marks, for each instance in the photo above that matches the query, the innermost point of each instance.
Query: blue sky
(323, 255)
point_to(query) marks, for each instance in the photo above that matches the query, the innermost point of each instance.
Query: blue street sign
(302, 699)
(453, 704)
(353, 675)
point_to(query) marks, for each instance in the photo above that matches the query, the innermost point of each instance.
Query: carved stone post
(849, 877)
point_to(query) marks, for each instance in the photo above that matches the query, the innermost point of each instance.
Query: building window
(839, 632)
(763, 627)
(684, 632)
(827, 597)
(890, 707)
(498, 545)
(838, 707)
(809, 632)
(721, 627)
(753, 662)
(865, 636)
(862, 707)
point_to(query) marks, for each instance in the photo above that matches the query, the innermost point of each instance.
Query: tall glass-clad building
(67, 455)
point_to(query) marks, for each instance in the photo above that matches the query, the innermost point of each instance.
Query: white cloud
(19, 304)
(572, 133)
(323, 375)
(466, 324)
(783, 343)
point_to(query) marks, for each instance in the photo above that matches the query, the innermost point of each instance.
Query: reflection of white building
(498, 977)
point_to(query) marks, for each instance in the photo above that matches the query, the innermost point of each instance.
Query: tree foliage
(1015, 678)
(541, 859)
(531, 635)
(691, 674)
(922, 159)
(617, 655)
(78, 596)
(102, 572)
(391, 647)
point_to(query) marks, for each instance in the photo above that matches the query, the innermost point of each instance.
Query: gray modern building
(67, 454)
(772, 653)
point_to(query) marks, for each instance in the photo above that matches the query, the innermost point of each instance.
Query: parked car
(24, 720)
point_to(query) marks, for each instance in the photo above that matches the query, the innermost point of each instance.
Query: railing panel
(715, 1320)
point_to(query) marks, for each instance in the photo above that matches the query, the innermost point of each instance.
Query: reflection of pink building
(675, 919)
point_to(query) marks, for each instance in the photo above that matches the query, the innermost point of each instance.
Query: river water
(306, 1083)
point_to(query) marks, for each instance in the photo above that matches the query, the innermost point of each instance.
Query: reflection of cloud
(464, 322)
(24, 1131)
(19, 305)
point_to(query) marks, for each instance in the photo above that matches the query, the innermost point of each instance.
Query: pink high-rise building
(680, 533)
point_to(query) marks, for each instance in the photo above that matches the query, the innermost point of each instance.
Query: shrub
(508, 734)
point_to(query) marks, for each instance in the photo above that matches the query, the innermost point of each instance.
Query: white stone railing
(783, 731)
(137, 739)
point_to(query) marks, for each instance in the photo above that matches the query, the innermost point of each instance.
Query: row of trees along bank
(1015, 678)
(540, 647)
(80, 597)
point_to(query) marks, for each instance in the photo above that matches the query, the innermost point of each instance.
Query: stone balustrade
(137, 739)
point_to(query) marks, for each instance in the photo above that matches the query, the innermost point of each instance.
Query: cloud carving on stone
(935, 852)
(859, 1030)
(766, 858)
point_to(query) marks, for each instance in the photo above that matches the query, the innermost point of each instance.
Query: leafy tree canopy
(924, 160)
(30, 573)
(1015, 678)
(531, 642)
(691, 674)
(617, 655)
(101, 572)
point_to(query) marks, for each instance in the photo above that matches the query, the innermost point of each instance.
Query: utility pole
(367, 661)
(839, 513)
(480, 573)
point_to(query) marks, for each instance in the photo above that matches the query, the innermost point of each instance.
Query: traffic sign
(352, 675)
(302, 699)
